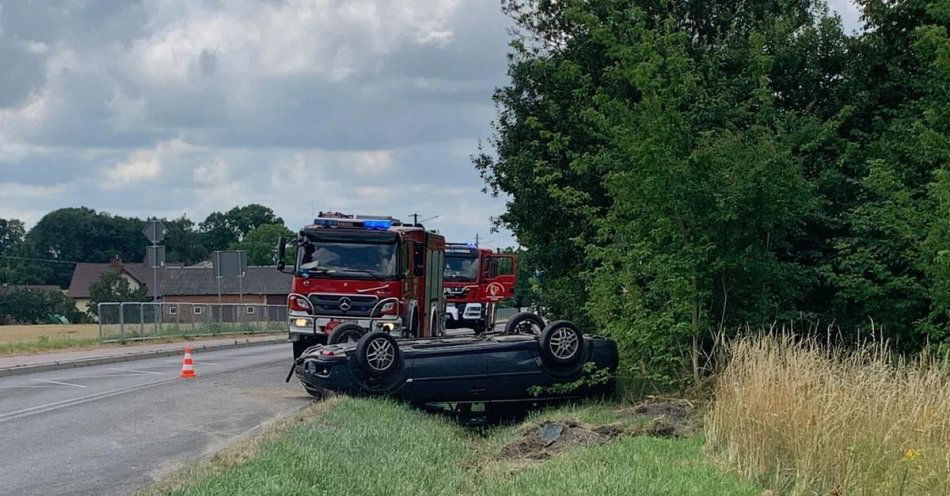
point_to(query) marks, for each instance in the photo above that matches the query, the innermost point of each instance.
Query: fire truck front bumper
(316, 325)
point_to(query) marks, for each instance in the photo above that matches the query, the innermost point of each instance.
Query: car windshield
(460, 267)
(350, 259)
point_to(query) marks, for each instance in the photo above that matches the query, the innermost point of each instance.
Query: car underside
(488, 368)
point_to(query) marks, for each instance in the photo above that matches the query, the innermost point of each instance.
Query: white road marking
(138, 371)
(60, 383)
(29, 386)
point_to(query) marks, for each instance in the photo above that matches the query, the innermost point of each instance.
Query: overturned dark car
(487, 368)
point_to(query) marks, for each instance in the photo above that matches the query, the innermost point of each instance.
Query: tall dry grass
(803, 418)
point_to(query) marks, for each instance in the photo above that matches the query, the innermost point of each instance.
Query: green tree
(113, 287)
(220, 230)
(82, 235)
(260, 244)
(184, 243)
(655, 157)
(12, 235)
(34, 306)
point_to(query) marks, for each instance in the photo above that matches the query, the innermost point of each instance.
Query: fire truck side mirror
(418, 261)
(281, 253)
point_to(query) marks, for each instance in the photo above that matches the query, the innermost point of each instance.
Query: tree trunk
(694, 354)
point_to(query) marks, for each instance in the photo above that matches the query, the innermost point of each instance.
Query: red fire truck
(354, 274)
(476, 279)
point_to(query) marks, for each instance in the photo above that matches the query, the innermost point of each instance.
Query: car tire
(346, 333)
(562, 344)
(525, 323)
(377, 354)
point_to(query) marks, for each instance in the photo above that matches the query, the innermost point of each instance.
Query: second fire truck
(476, 279)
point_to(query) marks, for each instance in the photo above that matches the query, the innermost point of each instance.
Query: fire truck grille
(343, 305)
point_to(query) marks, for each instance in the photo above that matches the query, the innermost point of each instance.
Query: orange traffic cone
(187, 367)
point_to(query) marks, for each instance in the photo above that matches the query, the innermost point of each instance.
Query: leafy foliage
(113, 287)
(261, 244)
(34, 306)
(676, 170)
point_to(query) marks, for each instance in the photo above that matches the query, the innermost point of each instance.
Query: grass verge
(377, 447)
(807, 419)
(43, 344)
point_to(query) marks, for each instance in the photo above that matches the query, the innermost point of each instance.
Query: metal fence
(131, 321)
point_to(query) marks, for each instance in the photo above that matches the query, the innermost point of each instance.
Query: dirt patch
(666, 418)
(659, 418)
(541, 441)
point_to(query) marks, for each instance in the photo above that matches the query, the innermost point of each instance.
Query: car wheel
(377, 353)
(346, 333)
(525, 323)
(562, 343)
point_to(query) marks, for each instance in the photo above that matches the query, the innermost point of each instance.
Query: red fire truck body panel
(373, 272)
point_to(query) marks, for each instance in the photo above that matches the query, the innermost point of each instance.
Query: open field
(806, 419)
(366, 446)
(19, 333)
(25, 339)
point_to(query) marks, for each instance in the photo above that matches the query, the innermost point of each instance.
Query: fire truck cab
(476, 279)
(355, 274)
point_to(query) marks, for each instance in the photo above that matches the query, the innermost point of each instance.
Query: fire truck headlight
(301, 322)
(388, 307)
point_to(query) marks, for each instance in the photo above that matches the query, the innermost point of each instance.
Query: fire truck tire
(378, 354)
(562, 344)
(346, 333)
(412, 328)
(525, 323)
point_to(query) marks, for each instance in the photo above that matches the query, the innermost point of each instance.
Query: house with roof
(137, 274)
(261, 285)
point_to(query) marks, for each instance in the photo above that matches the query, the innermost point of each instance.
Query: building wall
(228, 298)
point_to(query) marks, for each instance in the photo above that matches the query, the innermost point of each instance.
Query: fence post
(178, 317)
(142, 319)
(122, 321)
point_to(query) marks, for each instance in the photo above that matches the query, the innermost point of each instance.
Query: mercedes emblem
(345, 303)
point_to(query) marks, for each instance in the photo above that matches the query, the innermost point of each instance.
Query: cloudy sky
(172, 107)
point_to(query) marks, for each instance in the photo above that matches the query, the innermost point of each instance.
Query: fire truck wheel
(377, 354)
(346, 333)
(412, 330)
(525, 323)
(562, 344)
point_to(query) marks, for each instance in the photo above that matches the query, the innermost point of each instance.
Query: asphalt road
(111, 429)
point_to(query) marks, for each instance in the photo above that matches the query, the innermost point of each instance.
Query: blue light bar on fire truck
(374, 224)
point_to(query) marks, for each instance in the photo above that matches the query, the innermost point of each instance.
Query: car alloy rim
(380, 354)
(563, 343)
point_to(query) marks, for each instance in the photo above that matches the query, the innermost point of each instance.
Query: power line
(39, 259)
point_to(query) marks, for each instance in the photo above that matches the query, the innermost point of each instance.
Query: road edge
(27, 369)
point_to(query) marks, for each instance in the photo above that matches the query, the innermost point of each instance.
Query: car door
(514, 368)
(447, 373)
(501, 277)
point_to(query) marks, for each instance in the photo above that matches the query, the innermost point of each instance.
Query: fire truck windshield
(347, 259)
(461, 267)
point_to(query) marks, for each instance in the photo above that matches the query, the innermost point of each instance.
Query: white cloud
(178, 106)
(146, 164)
